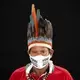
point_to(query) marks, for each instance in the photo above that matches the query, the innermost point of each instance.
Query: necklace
(42, 77)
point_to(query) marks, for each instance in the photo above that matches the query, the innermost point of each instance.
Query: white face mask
(40, 61)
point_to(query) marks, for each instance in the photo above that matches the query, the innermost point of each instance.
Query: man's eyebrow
(34, 51)
(43, 50)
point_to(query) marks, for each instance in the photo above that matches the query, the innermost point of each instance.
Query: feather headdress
(39, 31)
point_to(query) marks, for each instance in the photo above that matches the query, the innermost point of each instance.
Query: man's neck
(40, 71)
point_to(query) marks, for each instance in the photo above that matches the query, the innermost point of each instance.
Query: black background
(65, 17)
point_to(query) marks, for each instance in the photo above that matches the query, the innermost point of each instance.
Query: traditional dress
(52, 73)
(40, 33)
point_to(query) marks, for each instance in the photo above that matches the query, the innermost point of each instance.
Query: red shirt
(59, 73)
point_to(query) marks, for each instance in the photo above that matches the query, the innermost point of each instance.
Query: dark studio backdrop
(65, 18)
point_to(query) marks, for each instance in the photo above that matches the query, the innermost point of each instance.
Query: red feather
(35, 20)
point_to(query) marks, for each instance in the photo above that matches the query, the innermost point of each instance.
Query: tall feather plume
(45, 28)
(48, 29)
(35, 20)
(39, 26)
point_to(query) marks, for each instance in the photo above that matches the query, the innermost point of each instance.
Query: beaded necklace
(43, 76)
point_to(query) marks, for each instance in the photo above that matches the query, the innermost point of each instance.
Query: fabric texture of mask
(40, 61)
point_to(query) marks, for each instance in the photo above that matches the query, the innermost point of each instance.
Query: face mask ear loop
(51, 66)
(28, 68)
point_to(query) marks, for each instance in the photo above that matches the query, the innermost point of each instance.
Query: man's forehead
(38, 47)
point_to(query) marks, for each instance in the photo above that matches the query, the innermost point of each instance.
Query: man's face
(38, 50)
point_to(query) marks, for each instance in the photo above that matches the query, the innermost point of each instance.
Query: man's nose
(39, 53)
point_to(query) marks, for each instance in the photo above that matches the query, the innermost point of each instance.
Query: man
(39, 35)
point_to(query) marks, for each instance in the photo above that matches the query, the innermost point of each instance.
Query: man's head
(39, 56)
(39, 35)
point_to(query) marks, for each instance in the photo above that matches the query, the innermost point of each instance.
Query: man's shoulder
(16, 74)
(19, 70)
(62, 71)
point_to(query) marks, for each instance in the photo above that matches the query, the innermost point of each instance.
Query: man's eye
(43, 51)
(34, 52)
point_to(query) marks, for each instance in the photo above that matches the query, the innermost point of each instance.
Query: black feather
(44, 28)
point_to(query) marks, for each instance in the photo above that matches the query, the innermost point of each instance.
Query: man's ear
(51, 52)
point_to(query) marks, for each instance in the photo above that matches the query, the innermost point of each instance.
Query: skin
(38, 50)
